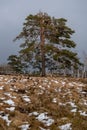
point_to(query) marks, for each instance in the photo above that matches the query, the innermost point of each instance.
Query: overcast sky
(14, 12)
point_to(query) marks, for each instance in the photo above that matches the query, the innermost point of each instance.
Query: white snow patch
(83, 113)
(74, 110)
(56, 81)
(11, 108)
(24, 127)
(63, 83)
(2, 98)
(10, 102)
(1, 87)
(1, 78)
(54, 100)
(11, 89)
(41, 87)
(72, 104)
(66, 127)
(26, 98)
(85, 102)
(5, 117)
(48, 86)
(34, 113)
(45, 80)
(9, 95)
(45, 119)
(58, 90)
(43, 128)
(9, 81)
(62, 104)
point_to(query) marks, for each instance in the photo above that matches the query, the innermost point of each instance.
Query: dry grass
(62, 100)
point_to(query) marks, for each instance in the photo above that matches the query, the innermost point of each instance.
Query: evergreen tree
(15, 62)
(47, 40)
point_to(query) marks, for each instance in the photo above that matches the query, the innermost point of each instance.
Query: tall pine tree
(47, 40)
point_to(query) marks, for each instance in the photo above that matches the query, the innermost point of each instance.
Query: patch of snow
(10, 102)
(72, 104)
(56, 82)
(41, 87)
(62, 104)
(43, 128)
(83, 113)
(58, 90)
(26, 98)
(74, 110)
(85, 102)
(34, 113)
(11, 108)
(63, 83)
(24, 127)
(1, 78)
(3, 98)
(66, 127)
(45, 80)
(5, 117)
(54, 100)
(36, 83)
(11, 89)
(45, 119)
(48, 86)
(9, 81)
(1, 87)
(7, 94)
(84, 92)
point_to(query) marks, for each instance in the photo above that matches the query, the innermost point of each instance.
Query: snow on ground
(72, 104)
(45, 119)
(9, 95)
(43, 100)
(11, 108)
(1, 87)
(24, 127)
(83, 113)
(66, 127)
(9, 102)
(5, 118)
(42, 117)
(26, 99)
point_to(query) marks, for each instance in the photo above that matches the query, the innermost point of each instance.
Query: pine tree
(47, 40)
(15, 62)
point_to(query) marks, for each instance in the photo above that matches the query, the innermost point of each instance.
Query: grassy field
(42, 103)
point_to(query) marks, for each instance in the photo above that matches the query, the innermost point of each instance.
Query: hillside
(42, 103)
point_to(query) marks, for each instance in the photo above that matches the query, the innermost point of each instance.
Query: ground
(42, 103)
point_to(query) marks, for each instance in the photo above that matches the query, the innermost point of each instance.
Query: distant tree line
(6, 69)
(46, 48)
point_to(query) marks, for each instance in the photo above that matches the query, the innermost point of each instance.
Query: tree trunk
(42, 39)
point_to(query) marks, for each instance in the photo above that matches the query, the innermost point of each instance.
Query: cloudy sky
(13, 13)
